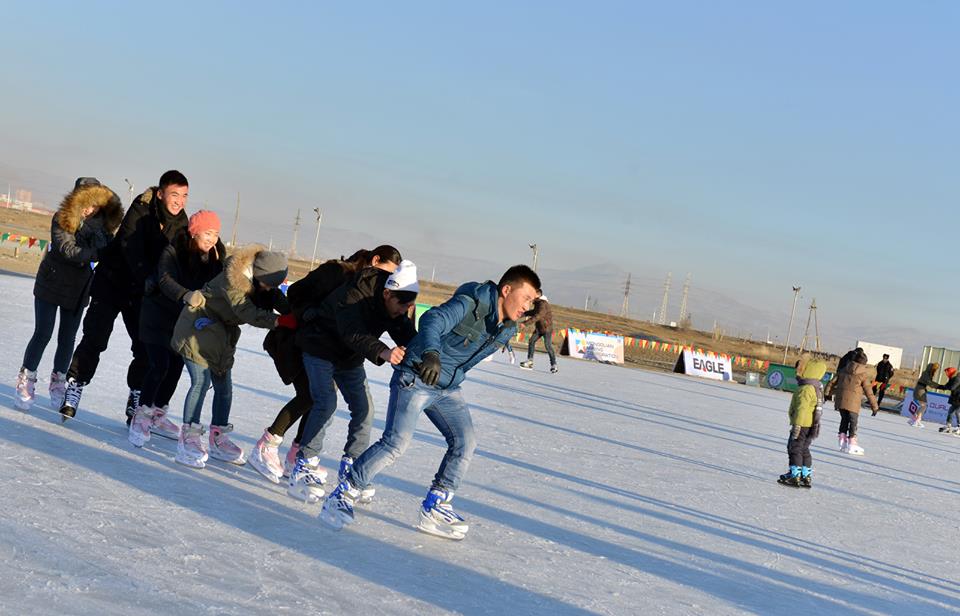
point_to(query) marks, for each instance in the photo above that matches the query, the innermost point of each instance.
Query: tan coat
(228, 305)
(852, 384)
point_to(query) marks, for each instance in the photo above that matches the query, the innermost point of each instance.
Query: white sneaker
(307, 479)
(139, 432)
(222, 448)
(162, 426)
(57, 389)
(26, 385)
(265, 457)
(437, 516)
(191, 450)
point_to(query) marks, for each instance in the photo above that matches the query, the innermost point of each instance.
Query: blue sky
(754, 144)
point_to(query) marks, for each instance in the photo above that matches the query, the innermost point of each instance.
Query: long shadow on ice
(252, 514)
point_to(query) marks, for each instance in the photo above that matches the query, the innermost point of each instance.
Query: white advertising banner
(708, 366)
(937, 406)
(591, 345)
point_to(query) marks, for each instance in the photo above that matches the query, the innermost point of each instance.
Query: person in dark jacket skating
(305, 297)
(953, 386)
(926, 381)
(542, 318)
(127, 268)
(192, 260)
(453, 338)
(345, 332)
(885, 372)
(84, 224)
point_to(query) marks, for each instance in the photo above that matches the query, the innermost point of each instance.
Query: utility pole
(662, 317)
(129, 189)
(793, 311)
(812, 315)
(433, 274)
(683, 300)
(625, 308)
(536, 255)
(296, 230)
(236, 220)
(316, 240)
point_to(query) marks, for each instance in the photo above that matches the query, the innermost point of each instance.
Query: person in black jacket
(346, 331)
(280, 343)
(884, 374)
(542, 318)
(127, 267)
(191, 261)
(82, 227)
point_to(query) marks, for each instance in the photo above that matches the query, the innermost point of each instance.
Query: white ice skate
(291, 460)
(438, 518)
(139, 432)
(265, 457)
(161, 426)
(366, 494)
(853, 448)
(191, 450)
(222, 448)
(26, 384)
(57, 389)
(306, 480)
(526, 365)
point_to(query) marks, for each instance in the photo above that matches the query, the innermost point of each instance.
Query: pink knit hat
(204, 220)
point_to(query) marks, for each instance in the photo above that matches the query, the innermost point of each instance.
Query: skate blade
(788, 484)
(451, 534)
(304, 497)
(332, 521)
(191, 463)
(138, 441)
(235, 461)
(271, 477)
(172, 437)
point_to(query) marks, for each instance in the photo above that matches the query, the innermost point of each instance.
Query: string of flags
(669, 347)
(23, 240)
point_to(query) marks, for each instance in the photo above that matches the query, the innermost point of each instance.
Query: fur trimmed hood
(105, 201)
(239, 268)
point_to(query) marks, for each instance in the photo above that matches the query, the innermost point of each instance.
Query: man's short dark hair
(886, 356)
(518, 274)
(172, 178)
(404, 297)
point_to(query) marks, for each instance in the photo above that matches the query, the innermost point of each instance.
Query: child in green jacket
(805, 410)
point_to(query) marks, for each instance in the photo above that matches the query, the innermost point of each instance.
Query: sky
(756, 145)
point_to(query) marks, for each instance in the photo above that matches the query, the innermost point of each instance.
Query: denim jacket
(464, 330)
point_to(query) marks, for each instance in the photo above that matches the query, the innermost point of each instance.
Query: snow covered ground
(598, 490)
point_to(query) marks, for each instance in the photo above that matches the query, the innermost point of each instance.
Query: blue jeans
(324, 381)
(45, 315)
(445, 408)
(200, 380)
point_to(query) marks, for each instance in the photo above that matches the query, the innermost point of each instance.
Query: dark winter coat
(953, 386)
(852, 384)
(926, 381)
(348, 324)
(542, 316)
(65, 271)
(129, 263)
(463, 330)
(208, 336)
(309, 291)
(181, 269)
(884, 371)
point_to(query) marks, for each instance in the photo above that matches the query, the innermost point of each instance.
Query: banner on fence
(937, 406)
(592, 345)
(705, 365)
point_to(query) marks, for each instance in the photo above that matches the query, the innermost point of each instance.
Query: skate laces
(72, 396)
(308, 471)
(439, 501)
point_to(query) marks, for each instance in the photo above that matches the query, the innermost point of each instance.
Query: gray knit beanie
(270, 268)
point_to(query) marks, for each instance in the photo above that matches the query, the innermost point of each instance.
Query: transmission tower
(662, 317)
(296, 229)
(626, 298)
(812, 315)
(683, 300)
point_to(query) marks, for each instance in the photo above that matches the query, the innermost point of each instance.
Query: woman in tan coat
(852, 384)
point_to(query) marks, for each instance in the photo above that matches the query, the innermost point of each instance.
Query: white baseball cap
(404, 279)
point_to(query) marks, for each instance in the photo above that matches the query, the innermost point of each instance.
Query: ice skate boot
(265, 456)
(191, 450)
(437, 516)
(527, 365)
(26, 386)
(222, 448)
(57, 389)
(307, 479)
(366, 494)
(133, 402)
(162, 426)
(791, 478)
(853, 448)
(71, 399)
(291, 459)
(337, 510)
(139, 432)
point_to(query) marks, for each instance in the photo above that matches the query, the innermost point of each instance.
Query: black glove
(430, 368)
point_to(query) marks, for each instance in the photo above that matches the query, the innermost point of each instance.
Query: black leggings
(848, 423)
(45, 316)
(295, 409)
(164, 368)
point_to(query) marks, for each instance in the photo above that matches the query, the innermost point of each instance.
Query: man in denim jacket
(477, 321)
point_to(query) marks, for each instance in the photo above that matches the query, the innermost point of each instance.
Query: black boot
(789, 479)
(71, 399)
(133, 401)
